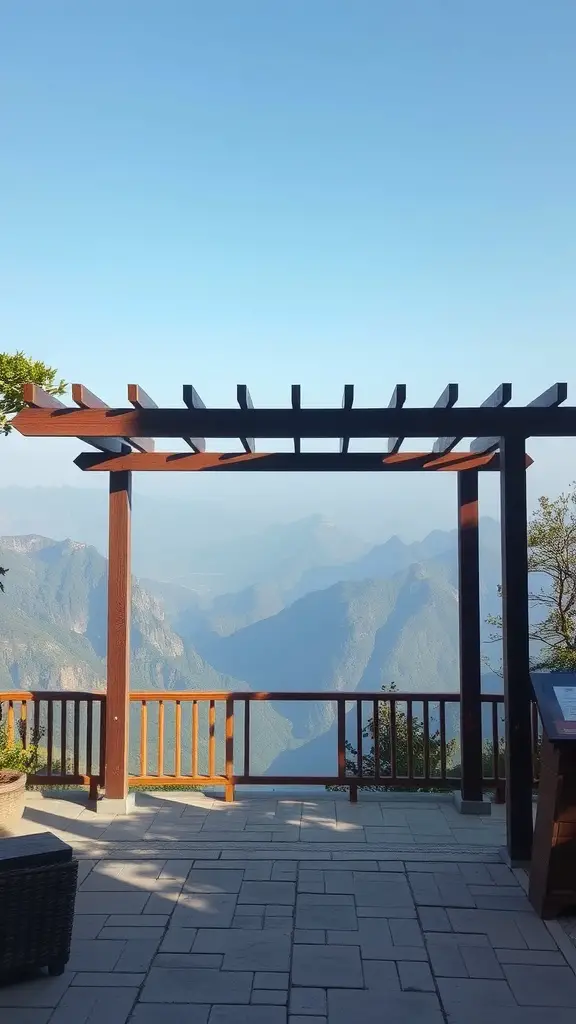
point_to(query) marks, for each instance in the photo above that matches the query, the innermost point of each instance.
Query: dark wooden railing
(66, 731)
(392, 740)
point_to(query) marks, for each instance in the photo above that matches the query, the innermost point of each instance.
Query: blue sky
(312, 191)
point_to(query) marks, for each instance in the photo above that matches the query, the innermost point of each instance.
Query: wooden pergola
(124, 439)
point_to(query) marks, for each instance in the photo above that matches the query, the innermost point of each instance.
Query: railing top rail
(303, 695)
(52, 695)
(242, 695)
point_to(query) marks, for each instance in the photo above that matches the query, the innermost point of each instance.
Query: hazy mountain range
(320, 612)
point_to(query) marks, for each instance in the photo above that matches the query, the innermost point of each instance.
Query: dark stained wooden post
(469, 637)
(515, 641)
(118, 652)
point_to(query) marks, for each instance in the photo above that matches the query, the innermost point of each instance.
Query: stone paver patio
(303, 910)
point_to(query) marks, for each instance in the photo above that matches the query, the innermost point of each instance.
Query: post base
(123, 805)
(471, 806)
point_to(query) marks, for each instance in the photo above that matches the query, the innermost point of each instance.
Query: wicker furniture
(37, 893)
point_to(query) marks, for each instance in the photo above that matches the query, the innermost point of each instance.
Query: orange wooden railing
(205, 738)
(68, 731)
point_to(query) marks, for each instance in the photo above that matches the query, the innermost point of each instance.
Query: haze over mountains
(307, 607)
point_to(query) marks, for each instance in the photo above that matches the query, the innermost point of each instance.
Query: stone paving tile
(137, 920)
(201, 985)
(472, 991)
(95, 954)
(381, 975)
(107, 979)
(268, 892)
(183, 961)
(542, 986)
(196, 910)
(281, 924)
(88, 926)
(501, 928)
(327, 966)
(533, 931)
(305, 936)
(415, 977)
(367, 1006)
(270, 997)
(375, 941)
(308, 1001)
(480, 962)
(138, 955)
(315, 912)
(434, 919)
(111, 902)
(140, 932)
(246, 950)
(178, 940)
(463, 1013)
(405, 933)
(255, 923)
(174, 1014)
(248, 1015)
(538, 957)
(213, 881)
(41, 991)
(29, 1015)
(302, 1019)
(374, 891)
(271, 979)
(94, 1005)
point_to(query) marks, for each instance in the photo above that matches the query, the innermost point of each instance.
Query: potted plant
(16, 763)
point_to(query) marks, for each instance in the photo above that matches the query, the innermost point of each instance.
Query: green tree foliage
(552, 555)
(17, 369)
(402, 746)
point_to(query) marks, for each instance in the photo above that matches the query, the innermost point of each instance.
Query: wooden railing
(65, 730)
(393, 740)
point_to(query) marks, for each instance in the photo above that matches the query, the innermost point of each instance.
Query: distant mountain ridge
(53, 633)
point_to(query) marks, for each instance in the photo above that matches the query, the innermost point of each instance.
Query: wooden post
(469, 637)
(515, 643)
(118, 653)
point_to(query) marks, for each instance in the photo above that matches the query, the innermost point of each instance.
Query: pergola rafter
(499, 431)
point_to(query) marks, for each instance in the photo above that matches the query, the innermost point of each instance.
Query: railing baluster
(442, 713)
(426, 714)
(229, 769)
(160, 738)
(195, 739)
(359, 738)
(63, 751)
(393, 737)
(495, 743)
(178, 740)
(89, 735)
(143, 738)
(409, 739)
(212, 739)
(246, 738)
(76, 735)
(10, 724)
(23, 727)
(50, 736)
(102, 753)
(341, 717)
(376, 716)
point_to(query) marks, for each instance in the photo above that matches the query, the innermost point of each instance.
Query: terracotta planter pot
(12, 796)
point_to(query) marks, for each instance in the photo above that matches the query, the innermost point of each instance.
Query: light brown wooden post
(118, 654)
